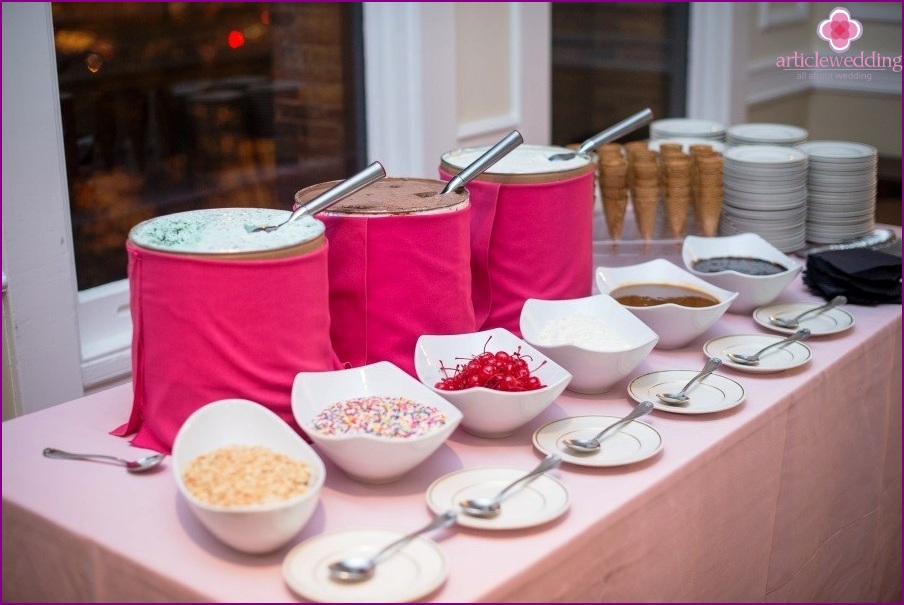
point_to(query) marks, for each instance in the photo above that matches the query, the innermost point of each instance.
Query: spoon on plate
(752, 360)
(680, 398)
(792, 323)
(359, 181)
(490, 507)
(624, 127)
(133, 466)
(358, 569)
(481, 164)
(589, 446)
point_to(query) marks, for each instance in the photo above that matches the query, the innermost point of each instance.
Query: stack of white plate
(766, 193)
(765, 134)
(678, 128)
(842, 190)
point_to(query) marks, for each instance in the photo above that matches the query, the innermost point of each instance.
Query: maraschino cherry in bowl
(497, 380)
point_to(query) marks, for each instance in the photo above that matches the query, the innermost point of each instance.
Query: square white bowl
(676, 325)
(229, 422)
(488, 412)
(753, 290)
(365, 457)
(593, 369)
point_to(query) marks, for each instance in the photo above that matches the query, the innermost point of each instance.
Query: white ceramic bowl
(488, 412)
(252, 528)
(753, 290)
(363, 456)
(607, 342)
(676, 325)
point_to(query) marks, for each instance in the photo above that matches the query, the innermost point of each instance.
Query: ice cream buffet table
(794, 495)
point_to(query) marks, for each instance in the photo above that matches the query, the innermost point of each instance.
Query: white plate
(714, 393)
(538, 502)
(774, 360)
(416, 570)
(828, 322)
(686, 128)
(632, 443)
(837, 151)
(765, 155)
(775, 134)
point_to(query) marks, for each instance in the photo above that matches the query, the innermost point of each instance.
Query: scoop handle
(641, 409)
(369, 175)
(475, 168)
(616, 131)
(441, 520)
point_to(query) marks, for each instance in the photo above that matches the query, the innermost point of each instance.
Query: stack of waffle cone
(707, 188)
(645, 193)
(614, 191)
(676, 188)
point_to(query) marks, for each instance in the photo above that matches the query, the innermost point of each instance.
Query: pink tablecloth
(793, 496)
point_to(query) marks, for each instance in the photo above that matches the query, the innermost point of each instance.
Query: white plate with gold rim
(831, 321)
(714, 393)
(413, 572)
(778, 359)
(538, 502)
(634, 442)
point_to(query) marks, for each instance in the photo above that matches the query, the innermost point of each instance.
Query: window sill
(106, 334)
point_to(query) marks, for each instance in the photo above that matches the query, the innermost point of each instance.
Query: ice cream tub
(221, 312)
(531, 229)
(399, 267)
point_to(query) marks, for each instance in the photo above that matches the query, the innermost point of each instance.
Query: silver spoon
(478, 166)
(589, 446)
(490, 507)
(624, 127)
(681, 397)
(358, 569)
(792, 323)
(133, 466)
(752, 360)
(369, 175)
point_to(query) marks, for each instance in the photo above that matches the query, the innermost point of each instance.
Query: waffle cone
(614, 209)
(676, 209)
(645, 214)
(708, 209)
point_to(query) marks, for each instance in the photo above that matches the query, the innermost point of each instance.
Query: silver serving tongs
(369, 175)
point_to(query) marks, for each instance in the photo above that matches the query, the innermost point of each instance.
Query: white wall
(849, 110)
(433, 84)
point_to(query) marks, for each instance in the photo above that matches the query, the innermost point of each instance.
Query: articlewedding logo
(839, 30)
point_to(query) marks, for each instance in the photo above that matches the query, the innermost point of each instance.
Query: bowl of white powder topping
(595, 338)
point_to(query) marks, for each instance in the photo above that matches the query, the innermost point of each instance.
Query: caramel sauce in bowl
(651, 295)
(674, 303)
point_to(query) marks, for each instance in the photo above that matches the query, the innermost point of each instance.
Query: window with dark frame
(612, 59)
(175, 106)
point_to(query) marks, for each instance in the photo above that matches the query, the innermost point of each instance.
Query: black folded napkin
(865, 277)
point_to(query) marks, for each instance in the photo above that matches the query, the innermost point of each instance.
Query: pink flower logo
(839, 30)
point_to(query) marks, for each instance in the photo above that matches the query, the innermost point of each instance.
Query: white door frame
(717, 61)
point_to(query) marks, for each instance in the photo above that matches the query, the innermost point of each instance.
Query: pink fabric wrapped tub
(531, 231)
(399, 267)
(217, 322)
